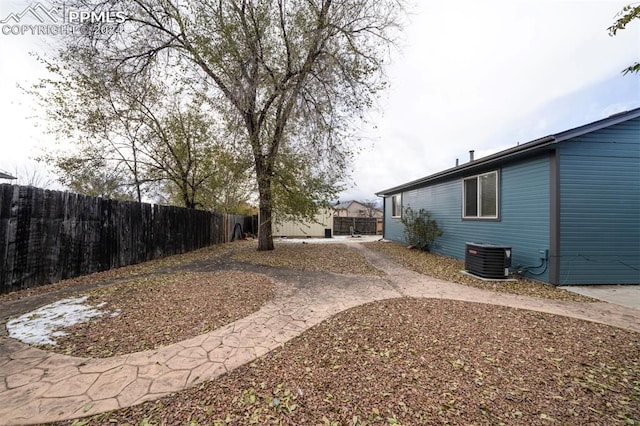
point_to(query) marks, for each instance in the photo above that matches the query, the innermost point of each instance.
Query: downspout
(554, 218)
(384, 217)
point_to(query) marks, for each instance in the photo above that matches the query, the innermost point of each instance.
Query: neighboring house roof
(6, 176)
(520, 151)
(346, 204)
(343, 206)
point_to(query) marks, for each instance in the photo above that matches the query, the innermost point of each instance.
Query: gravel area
(419, 361)
(147, 295)
(401, 361)
(446, 268)
(338, 258)
(161, 310)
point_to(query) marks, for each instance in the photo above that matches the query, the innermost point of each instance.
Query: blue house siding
(600, 206)
(524, 214)
(393, 228)
(443, 202)
(574, 193)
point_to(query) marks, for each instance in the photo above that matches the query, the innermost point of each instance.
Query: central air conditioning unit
(487, 260)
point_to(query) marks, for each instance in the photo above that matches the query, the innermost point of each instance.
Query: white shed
(304, 229)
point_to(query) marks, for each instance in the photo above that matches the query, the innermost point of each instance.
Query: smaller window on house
(396, 205)
(480, 198)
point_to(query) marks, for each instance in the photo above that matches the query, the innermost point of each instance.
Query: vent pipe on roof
(471, 155)
(457, 162)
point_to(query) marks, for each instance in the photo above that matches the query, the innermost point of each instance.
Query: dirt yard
(399, 361)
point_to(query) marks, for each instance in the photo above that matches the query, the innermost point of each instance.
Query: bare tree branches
(134, 137)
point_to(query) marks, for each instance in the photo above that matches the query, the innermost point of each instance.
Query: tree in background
(626, 15)
(179, 150)
(286, 77)
(227, 186)
(91, 176)
(135, 137)
(30, 175)
(371, 206)
(95, 112)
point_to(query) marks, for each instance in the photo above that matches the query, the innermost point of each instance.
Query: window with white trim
(396, 205)
(480, 198)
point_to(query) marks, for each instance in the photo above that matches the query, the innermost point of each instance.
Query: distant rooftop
(342, 205)
(345, 205)
(4, 175)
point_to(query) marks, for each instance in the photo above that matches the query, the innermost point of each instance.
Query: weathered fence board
(47, 236)
(359, 225)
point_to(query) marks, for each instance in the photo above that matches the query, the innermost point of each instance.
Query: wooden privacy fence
(47, 236)
(360, 225)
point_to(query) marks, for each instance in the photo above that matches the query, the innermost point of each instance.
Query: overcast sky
(470, 75)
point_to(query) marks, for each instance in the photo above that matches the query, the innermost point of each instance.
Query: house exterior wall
(524, 210)
(392, 227)
(599, 176)
(299, 229)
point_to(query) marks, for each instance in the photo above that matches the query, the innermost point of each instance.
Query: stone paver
(170, 381)
(112, 382)
(24, 378)
(134, 390)
(38, 386)
(73, 386)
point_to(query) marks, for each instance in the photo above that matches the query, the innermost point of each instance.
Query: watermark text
(38, 19)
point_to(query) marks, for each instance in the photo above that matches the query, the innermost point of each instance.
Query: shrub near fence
(47, 236)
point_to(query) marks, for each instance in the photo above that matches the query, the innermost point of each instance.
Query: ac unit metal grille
(487, 260)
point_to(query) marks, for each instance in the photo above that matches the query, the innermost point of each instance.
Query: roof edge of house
(519, 150)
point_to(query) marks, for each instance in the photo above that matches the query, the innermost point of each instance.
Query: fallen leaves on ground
(418, 361)
(448, 269)
(163, 309)
(337, 258)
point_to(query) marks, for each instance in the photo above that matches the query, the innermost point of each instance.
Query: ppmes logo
(38, 19)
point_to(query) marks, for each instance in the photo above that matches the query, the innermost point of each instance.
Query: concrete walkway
(38, 386)
(625, 295)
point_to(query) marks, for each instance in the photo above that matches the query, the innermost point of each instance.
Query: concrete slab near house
(625, 295)
(341, 239)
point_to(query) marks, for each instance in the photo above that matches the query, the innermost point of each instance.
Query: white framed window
(480, 196)
(396, 205)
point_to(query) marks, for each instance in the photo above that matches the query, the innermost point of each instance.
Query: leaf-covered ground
(448, 269)
(158, 306)
(338, 258)
(163, 309)
(418, 361)
(401, 361)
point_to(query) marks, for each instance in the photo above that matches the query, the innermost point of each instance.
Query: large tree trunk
(265, 234)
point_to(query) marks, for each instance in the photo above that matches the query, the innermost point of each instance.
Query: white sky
(470, 75)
